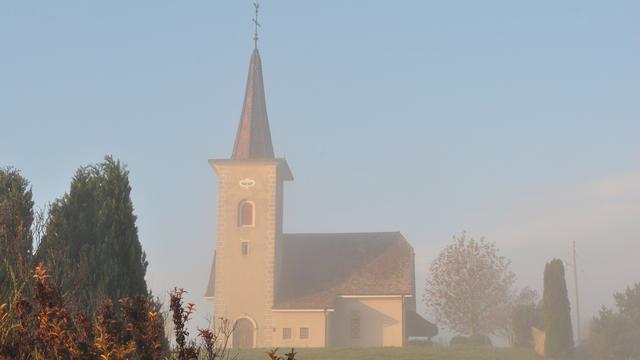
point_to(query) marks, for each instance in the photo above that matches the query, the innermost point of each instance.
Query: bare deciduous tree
(470, 287)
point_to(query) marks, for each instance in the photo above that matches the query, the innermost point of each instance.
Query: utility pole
(575, 281)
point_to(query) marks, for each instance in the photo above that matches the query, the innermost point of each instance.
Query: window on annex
(304, 333)
(286, 333)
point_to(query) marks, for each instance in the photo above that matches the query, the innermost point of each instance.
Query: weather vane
(255, 21)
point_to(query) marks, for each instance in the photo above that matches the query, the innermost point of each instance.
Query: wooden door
(243, 334)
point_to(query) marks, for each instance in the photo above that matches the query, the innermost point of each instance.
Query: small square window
(245, 248)
(304, 333)
(286, 333)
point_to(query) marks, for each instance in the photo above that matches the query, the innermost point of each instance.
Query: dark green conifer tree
(91, 244)
(556, 312)
(16, 240)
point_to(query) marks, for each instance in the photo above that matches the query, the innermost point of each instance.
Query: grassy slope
(407, 353)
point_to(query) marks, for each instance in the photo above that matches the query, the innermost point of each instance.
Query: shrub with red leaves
(43, 327)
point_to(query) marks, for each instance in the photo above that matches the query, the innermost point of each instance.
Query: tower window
(246, 214)
(244, 246)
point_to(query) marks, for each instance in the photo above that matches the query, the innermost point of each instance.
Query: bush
(615, 333)
(45, 328)
(475, 340)
(273, 355)
(523, 318)
(420, 342)
(42, 326)
(459, 340)
(480, 340)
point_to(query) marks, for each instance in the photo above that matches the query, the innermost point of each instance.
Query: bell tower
(250, 211)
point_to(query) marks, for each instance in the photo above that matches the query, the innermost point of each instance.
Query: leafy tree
(526, 313)
(556, 310)
(470, 287)
(16, 240)
(615, 334)
(91, 242)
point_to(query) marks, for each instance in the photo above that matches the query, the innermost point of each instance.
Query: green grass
(406, 353)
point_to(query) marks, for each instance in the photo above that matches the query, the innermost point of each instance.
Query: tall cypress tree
(16, 240)
(91, 243)
(556, 310)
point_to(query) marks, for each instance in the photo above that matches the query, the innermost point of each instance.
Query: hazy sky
(516, 120)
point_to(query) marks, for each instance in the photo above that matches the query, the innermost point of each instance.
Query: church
(300, 290)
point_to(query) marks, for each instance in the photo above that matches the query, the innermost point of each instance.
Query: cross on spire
(257, 24)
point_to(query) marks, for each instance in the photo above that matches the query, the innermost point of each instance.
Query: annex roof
(317, 268)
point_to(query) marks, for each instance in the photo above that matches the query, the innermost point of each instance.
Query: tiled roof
(316, 268)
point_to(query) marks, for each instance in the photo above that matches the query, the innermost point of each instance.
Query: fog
(601, 217)
(403, 125)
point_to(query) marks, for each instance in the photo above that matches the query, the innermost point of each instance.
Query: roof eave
(283, 167)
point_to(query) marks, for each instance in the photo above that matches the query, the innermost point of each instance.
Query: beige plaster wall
(244, 284)
(315, 321)
(381, 322)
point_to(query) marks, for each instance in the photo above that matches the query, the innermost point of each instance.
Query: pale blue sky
(427, 117)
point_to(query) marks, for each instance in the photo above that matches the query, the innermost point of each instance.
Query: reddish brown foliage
(273, 355)
(43, 327)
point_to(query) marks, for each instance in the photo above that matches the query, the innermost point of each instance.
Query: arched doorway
(243, 334)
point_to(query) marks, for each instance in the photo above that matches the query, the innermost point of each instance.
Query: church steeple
(253, 140)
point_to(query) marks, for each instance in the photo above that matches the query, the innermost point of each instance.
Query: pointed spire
(253, 140)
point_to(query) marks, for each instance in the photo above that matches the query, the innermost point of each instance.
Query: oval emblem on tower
(247, 183)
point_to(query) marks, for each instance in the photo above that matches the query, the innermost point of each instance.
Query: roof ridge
(346, 233)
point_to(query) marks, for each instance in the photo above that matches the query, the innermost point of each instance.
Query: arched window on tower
(246, 214)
